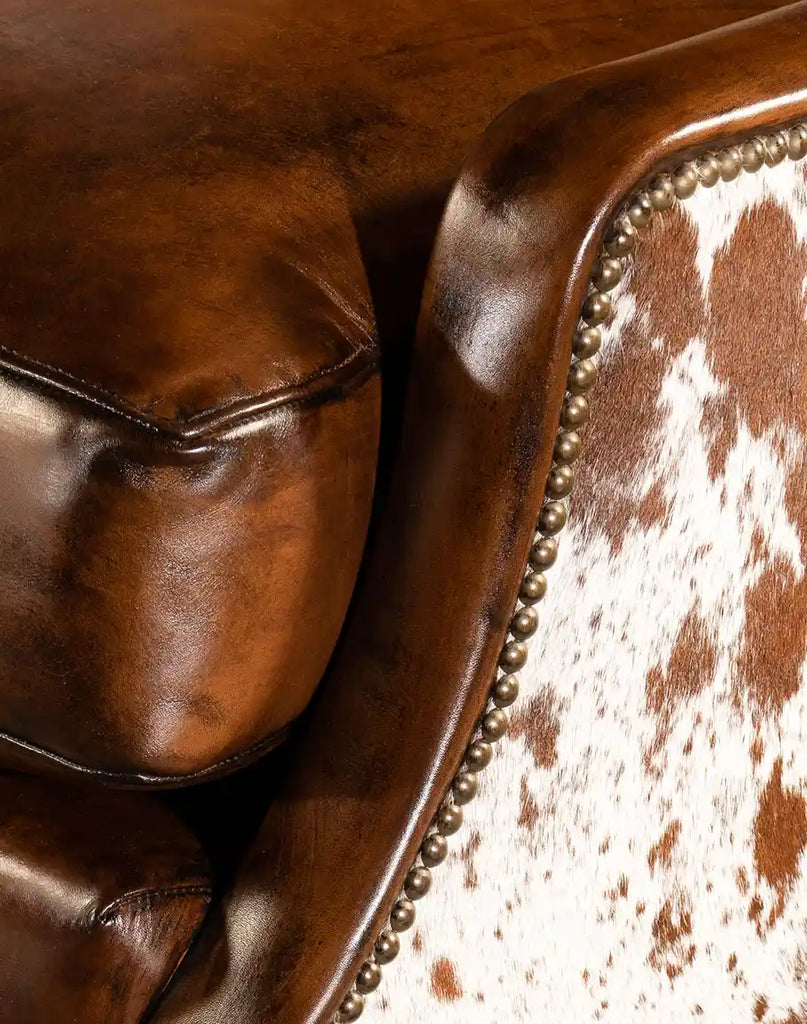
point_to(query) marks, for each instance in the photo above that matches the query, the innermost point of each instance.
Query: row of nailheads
(618, 244)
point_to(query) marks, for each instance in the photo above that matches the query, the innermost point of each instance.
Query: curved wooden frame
(391, 722)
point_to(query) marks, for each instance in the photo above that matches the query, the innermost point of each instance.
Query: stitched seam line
(267, 743)
(149, 899)
(323, 371)
(364, 370)
(67, 383)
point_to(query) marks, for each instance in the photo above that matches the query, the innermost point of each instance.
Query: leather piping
(148, 899)
(324, 384)
(146, 779)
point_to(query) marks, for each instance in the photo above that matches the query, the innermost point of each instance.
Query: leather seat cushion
(101, 894)
(189, 407)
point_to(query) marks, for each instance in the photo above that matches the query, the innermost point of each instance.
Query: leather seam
(147, 900)
(110, 402)
(145, 779)
(316, 375)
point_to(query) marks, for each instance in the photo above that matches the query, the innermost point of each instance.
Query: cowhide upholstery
(637, 850)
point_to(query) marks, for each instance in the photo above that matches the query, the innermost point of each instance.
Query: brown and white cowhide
(637, 852)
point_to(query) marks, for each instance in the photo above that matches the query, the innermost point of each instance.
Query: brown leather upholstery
(200, 190)
(101, 894)
(188, 402)
(187, 426)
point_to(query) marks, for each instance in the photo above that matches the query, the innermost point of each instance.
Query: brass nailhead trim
(618, 245)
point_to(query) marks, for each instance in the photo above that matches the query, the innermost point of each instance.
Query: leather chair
(259, 644)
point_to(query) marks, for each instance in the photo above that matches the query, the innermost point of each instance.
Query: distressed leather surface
(189, 403)
(100, 896)
(638, 849)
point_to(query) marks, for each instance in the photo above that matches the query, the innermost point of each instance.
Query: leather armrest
(391, 721)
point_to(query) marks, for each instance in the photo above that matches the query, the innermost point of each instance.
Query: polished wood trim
(390, 725)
